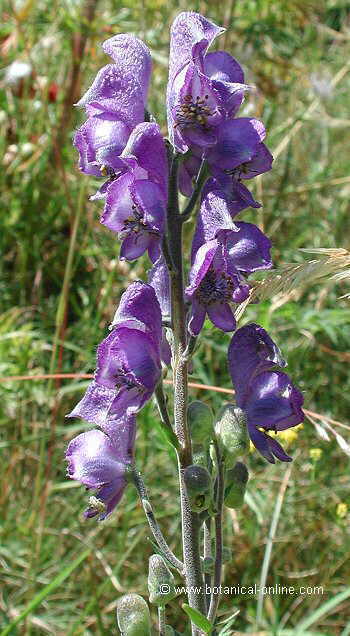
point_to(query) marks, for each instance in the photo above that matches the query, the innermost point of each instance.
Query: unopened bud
(200, 458)
(236, 482)
(200, 422)
(199, 487)
(160, 581)
(133, 616)
(232, 434)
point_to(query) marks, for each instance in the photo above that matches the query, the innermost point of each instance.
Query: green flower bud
(199, 487)
(200, 458)
(232, 434)
(160, 581)
(133, 616)
(200, 422)
(208, 564)
(236, 482)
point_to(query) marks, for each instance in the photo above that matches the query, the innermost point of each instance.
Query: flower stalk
(210, 156)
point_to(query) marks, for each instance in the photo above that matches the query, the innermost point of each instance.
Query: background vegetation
(60, 283)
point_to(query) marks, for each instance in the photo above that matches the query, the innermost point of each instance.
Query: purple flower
(101, 463)
(158, 277)
(228, 181)
(268, 397)
(136, 200)
(115, 103)
(238, 141)
(203, 89)
(247, 246)
(139, 308)
(128, 362)
(214, 283)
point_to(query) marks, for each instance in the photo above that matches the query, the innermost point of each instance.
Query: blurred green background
(61, 281)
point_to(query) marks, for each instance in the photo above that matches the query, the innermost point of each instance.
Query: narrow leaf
(198, 619)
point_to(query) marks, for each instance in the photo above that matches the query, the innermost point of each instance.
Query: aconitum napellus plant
(209, 156)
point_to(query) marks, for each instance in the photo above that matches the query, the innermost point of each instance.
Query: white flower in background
(16, 72)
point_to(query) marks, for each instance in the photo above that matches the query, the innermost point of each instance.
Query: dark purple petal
(214, 217)
(121, 88)
(277, 450)
(221, 316)
(228, 79)
(203, 260)
(154, 248)
(187, 30)
(191, 34)
(158, 277)
(122, 434)
(98, 133)
(197, 318)
(273, 403)
(241, 290)
(128, 357)
(238, 140)
(249, 248)
(94, 405)
(237, 195)
(147, 145)
(268, 447)
(118, 207)
(195, 110)
(148, 198)
(134, 245)
(188, 170)
(132, 56)
(129, 401)
(95, 461)
(260, 163)
(261, 443)
(139, 308)
(251, 351)
(221, 66)
(116, 93)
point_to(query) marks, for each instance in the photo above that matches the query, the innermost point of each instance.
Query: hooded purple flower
(203, 89)
(136, 200)
(101, 463)
(115, 103)
(214, 283)
(128, 362)
(267, 395)
(247, 246)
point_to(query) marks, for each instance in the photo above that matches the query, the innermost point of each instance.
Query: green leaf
(198, 619)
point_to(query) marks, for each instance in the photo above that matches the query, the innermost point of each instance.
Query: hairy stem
(161, 620)
(206, 554)
(201, 177)
(190, 521)
(152, 522)
(215, 596)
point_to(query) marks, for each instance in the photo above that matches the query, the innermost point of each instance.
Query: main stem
(190, 520)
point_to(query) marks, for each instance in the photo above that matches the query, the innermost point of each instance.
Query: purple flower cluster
(266, 394)
(127, 372)
(205, 92)
(116, 143)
